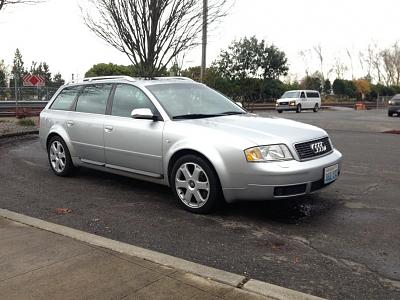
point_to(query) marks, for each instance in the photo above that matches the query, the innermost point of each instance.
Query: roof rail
(108, 77)
(174, 78)
(129, 78)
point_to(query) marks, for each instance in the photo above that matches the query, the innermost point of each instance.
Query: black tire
(214, 194)
(280, 111)
(298, 108)
(69, 166)
(316, 108)
(390, 114)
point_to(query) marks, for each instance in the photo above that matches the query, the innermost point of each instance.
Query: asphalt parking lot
(341, 243)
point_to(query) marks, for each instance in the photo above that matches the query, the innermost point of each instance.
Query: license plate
(331, 173)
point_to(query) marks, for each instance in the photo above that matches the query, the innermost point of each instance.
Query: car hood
(257, 130)
(286, 100)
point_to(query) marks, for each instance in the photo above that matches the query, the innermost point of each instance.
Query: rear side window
(312, 95)
(93, 99)
(128, 98)
(66, 98)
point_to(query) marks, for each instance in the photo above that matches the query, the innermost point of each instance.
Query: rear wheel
(316, 107)
(298, 108)
(195, 184)
(59, 157)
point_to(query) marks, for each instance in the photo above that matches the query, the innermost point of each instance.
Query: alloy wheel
(192, 185)
(58, 158)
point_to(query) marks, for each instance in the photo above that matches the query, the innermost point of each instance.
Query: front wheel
(195, 184)
(298, 108)
(390, 114)
(280, 111)
(59, 157)
(316, 107)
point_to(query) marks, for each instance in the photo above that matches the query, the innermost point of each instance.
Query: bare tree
(306, 56)
(351, 63)
(4, 3)
(373, 59)
(391, 64)
(318, 50)
(151, 32)
(339, 68)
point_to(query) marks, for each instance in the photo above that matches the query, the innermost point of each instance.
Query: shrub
(26, 122)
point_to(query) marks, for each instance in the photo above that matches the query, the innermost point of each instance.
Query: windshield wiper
(230, 113)
(199, 116)
(195, 116)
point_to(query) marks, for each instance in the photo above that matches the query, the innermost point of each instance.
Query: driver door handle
(70, 123)
(108, 128)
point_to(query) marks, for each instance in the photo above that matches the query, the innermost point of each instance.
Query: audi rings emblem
(318, 147)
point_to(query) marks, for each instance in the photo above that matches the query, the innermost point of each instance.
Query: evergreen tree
(18, 70)
(327, 87)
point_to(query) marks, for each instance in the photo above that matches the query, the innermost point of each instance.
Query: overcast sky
(54, 32)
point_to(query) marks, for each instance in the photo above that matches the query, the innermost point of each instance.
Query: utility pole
(204, 42)
(16, 94)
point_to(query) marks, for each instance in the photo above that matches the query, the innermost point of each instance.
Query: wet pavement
(339, 243)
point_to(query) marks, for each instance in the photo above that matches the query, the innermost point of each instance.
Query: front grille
(306, 150)
(284, 103)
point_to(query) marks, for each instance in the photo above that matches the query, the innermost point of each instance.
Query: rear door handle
(108, 128)
(70, 123)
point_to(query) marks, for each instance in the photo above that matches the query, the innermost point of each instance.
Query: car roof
(303, 91)
(130, 80)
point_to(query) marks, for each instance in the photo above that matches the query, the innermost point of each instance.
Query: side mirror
(142, 113)
(240, 104)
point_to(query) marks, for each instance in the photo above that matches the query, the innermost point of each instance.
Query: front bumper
(268, 181)
(286, 107)
(394, 110)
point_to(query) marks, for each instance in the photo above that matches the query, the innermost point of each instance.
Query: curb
(16, 134)
(234, 280)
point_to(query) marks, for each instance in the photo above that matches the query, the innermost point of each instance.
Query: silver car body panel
(143, 149)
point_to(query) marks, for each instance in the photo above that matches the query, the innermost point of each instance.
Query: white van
(298, 100)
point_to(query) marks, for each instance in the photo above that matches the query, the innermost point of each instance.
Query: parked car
(182, 134)
(394, 106)
(299, 100)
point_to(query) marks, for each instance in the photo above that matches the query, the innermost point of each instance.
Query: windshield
(186, 100)
(290, 95)
(395, 101)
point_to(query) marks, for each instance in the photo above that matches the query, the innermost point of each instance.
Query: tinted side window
(302, 95)
(93, 99)
(312, 95)
(128, 98)
(65, 98)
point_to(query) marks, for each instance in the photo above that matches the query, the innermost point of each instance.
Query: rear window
(66, 98)
(93, 99)
(312, 95)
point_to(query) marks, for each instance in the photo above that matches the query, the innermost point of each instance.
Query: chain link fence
(27, 93)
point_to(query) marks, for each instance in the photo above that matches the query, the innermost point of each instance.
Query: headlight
(391, 102)
(293, 103)
(268, 153)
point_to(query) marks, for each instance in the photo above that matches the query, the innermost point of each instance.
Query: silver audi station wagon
(182, 134)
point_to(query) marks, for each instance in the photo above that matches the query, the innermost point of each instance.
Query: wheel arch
(182, 152)
(59, 131)
(189, 151)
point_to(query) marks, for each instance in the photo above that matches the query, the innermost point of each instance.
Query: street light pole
(204, 42)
